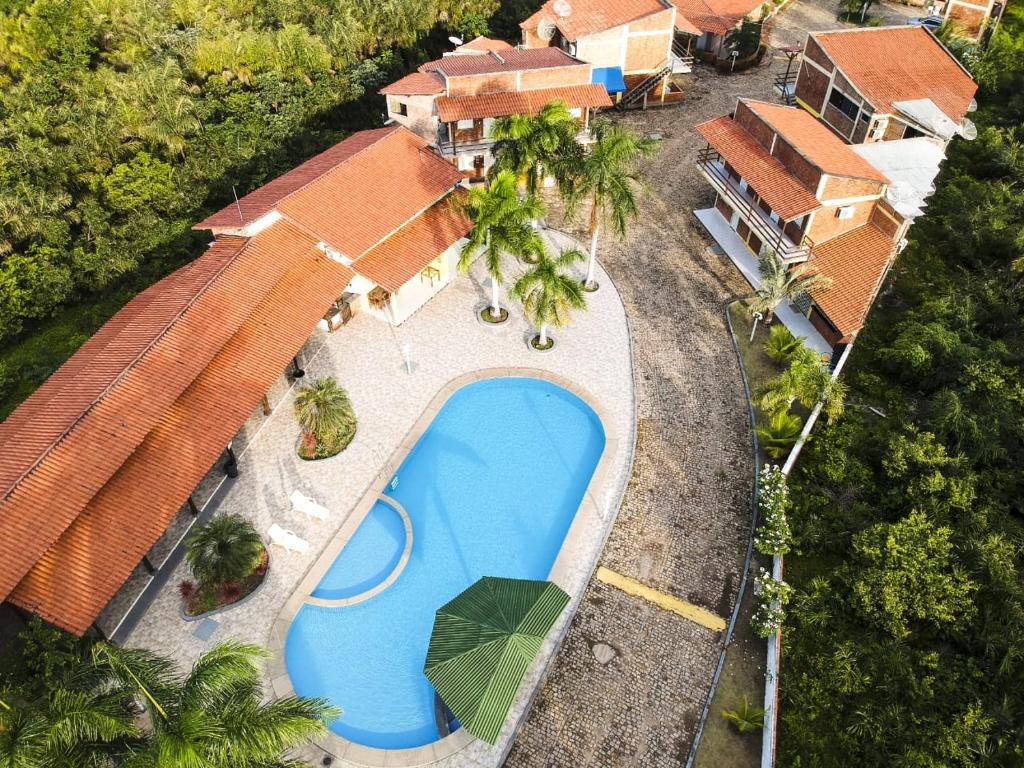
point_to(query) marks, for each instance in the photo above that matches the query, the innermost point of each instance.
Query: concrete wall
(812, 87)
(752, 124)
(642, 46)
(471, 85)
(826, 224)
(421, 117)
(841, 187)
(417, 291)
(554, 77)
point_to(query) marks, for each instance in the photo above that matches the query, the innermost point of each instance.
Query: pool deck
(447, 346)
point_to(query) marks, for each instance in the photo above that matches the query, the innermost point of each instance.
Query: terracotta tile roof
(76, 577)
(916, 66)
(856, 261)
(66, 441)
(686, 26)
(357, 197)
(482, 43)
(405, 254)
(591, 16)
(515, 60)
(814, 141)
(415, 84)
(765, 174)
(263, 200)
(718, 17)
(452, 108)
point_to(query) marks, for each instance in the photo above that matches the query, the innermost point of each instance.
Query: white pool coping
(564, 572)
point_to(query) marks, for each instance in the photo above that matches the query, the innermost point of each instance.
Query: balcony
(769, 232)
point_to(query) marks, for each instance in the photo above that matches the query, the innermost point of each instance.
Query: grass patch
(721, 746)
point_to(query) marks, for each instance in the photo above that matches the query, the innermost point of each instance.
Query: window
(401, 108)
(879, 130)
(845, 105)
(845, 212)
(912, 132)
(465, 125)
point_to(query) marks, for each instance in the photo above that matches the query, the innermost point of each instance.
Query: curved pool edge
(387, 581)
(589, 513)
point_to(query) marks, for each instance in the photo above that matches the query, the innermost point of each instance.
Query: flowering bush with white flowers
(771, 596)
(773, 534)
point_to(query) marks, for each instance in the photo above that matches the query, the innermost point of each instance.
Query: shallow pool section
(491, 489)
(369, 557)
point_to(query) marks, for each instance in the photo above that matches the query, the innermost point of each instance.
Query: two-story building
(885, 83)
(785, 182)
(453, 101)
(628, 42)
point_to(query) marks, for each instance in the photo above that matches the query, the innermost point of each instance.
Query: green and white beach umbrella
(482, 644)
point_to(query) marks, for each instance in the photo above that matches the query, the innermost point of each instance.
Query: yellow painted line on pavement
(679, 607)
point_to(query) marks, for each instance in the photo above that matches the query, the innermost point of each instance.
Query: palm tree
(549, 293)
(226, 549)
(530, 145)
(807, 381)
(216, 715)
(779, 284)
(607, 177)
(324, 413)
(501, 225)
(67, 728)
(781, 345)
(779, 433)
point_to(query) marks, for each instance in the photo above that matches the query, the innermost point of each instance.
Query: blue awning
(610, 77)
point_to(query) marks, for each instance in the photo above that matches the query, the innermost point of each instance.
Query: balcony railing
(769, 232)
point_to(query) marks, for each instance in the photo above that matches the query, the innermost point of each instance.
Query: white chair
(303, 503)
(287, 539)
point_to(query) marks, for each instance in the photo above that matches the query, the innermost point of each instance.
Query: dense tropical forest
(904, 644)
(123, 122)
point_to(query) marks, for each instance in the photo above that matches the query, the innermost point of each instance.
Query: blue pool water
(491, 488)
(369, 556)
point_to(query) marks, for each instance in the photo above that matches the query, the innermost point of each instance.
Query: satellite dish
(455, 40)
(546, 29)
(973, 106)
(562, 8)
(968, 130)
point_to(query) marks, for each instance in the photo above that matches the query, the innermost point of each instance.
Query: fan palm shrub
(781, 345)
(549, 292)
(807, 381)
(325, 415)
(502, 224)
(779, 433)
(529, 146)
(225, 549)
(779, 284)
(216, 716)
(608, 178)
(746, 717)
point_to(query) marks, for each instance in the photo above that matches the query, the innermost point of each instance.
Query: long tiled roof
(814, 141)
(714, 16)
(856, 261)
(76, 577)
(67, 440)
(914, 65)
(360, 194)
(588, 17)
(405, 254)
(415, 84)
(764, 173)
(481, 43)
(515, 60)
(452, 108)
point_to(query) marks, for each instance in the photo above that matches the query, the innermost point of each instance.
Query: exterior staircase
(642, 89)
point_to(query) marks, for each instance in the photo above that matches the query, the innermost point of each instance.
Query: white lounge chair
(287, 539)
(303, 503)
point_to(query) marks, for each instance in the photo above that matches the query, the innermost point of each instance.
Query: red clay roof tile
(515, 60)
(764, 173)
(914, 65)
(452, 108)
(415, 84)
(590, 16)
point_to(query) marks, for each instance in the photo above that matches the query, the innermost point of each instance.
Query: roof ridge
(131, 365)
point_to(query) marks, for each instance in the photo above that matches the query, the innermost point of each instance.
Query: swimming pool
(490, 488)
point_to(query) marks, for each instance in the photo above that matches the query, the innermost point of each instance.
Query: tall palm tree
(226, 549)
(501, 225)
(323, 411)
(531, 145)
(549, 292)
(607, 177)
(779, 284)
(215, 716)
